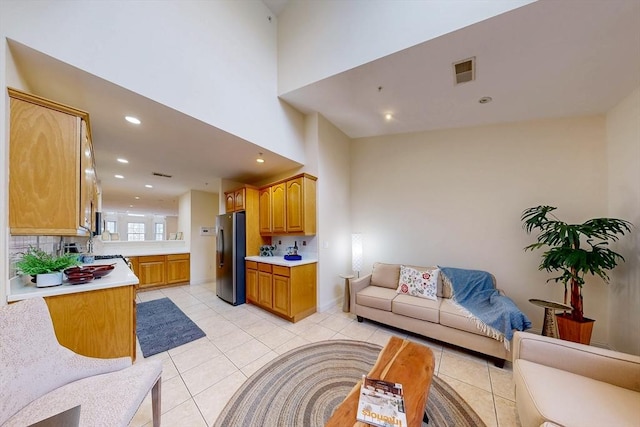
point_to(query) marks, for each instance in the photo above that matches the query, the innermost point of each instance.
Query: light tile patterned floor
(199, 377)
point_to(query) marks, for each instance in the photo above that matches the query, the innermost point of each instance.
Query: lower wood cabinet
(152, 271)
(178, 268)
(99, 323)
(289, 292)
(161, 270)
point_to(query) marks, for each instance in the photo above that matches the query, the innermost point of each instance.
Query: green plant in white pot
(46, 268)
(574, 250)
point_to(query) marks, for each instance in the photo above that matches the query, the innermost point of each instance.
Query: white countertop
(279, 260)
(21, 288)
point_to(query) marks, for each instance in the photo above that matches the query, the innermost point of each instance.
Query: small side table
(346, 302)
(550, 327)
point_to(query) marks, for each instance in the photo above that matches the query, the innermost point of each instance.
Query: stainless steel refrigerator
(230, 253)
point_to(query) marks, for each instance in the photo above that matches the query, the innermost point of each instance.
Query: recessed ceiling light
(137, 197)
(148, 185)
(260, 159)
(119, 176)
(131, 119)
(485, 100)
(388, 116)
(123, 160)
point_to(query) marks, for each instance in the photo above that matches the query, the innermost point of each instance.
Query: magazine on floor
(381, 403)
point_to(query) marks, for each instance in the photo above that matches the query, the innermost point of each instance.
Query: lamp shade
(356, 251)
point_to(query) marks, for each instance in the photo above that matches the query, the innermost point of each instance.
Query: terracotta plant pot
(573, 330)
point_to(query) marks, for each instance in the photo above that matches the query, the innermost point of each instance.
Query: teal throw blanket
(494, 314)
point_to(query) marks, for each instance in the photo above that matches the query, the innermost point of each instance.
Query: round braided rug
(302, 388)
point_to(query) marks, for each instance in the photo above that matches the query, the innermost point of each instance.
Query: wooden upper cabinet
(295, 205)
(235, 200)
(265, 210)
(88, 180)
(278, 208)
(230, 201)
(239, 197)
(292, 206)
(48, 192)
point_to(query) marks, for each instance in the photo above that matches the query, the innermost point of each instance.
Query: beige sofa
(374, 297)
(567, 384)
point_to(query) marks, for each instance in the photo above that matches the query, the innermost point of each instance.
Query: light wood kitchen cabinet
(279, 208)
(229, 201)
(52, 182)
(235, 200)
(152, 271)
(281, 286)
(178, 268)
(251, 280)
(289, 292)
(247, 199)
(264, 197)
(292, 206)
(161, 270)
(100, 323)
(265, 286)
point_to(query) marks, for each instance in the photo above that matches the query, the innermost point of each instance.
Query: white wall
(317, 39)
(213, 60)
(334, 223)
(204, 209)
(454, 198)
(623, 137)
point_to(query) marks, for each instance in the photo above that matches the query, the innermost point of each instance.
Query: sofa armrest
(600, 364)
(356, 285)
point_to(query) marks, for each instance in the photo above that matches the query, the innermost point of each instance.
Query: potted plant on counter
(46, 268)
(574, 250)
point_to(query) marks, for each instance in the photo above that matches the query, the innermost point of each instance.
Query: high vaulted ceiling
(547, 59)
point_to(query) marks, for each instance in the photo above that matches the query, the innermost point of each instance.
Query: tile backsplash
(310, 249)
(49, 244)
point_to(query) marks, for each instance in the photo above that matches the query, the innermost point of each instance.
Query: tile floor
(199, 377)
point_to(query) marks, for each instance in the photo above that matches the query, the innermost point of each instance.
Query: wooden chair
(39, 378)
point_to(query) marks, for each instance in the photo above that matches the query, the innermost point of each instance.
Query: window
(135, 231)
(159, 231)
(111, 226)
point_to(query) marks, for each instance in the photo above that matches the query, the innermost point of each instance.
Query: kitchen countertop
(279, 260)
(21, 288)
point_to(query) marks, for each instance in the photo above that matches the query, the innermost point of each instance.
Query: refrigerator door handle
(221, 247)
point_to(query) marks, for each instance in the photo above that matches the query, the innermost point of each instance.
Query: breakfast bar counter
(95, 319)
(21, 288)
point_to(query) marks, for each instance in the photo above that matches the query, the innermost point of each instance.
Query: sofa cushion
(388, 276)
(418, 283)
(385, 275)
(542, 396)
(450, 315)
(376, 297)
(418, 308)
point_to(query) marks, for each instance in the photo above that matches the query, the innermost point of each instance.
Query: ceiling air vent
(465, 70)
(162, 175)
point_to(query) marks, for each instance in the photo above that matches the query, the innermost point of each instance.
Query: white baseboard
(329, 305)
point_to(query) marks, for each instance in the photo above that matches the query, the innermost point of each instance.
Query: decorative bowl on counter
(96, 271)
(78, 278)
(102, 270)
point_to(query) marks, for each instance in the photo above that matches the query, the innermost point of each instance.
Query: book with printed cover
(381, 403)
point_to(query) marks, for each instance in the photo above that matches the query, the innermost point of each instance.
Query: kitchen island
(95, 319)
(282, 287)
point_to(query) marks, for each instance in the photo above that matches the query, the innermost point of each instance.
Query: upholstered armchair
(39, 378)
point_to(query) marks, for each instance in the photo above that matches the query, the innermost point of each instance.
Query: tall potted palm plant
(574, 250)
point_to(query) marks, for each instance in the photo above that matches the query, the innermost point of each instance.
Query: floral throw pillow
(423, 284)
